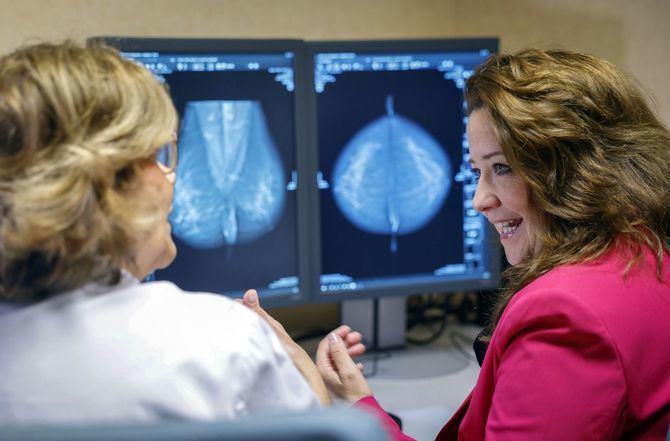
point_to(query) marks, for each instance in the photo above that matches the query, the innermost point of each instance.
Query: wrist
(357, 396)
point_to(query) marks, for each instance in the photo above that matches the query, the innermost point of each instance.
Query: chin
(170, 255)
(165, 258)
(517, 255)
(514, 257)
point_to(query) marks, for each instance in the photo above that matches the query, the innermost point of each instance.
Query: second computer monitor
(395, 189)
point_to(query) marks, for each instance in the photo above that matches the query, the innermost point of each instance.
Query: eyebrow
(488, 156)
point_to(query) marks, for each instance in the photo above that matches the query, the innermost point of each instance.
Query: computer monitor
(395, 190)
(238, 210)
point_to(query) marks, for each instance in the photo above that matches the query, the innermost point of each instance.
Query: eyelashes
(498, 169)
(501, 169)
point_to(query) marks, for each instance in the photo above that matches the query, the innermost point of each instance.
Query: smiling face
(501, 196)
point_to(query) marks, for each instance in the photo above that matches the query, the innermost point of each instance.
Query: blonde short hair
(75, 122)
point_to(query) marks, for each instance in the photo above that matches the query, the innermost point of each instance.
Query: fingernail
(253, 296)
(333, 338)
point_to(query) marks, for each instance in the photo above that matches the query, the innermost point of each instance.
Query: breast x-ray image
(234, 215)
(391, 177)
(230, 186)
(389, 147)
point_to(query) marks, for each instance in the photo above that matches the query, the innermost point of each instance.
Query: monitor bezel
(387, 46)
(242, 46)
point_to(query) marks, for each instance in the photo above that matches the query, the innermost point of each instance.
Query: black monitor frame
(493, 255)
(256, 46)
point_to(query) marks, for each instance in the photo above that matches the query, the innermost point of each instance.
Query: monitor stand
(382, 321)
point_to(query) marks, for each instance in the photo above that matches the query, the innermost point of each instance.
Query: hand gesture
(342, 375)
(300, 358)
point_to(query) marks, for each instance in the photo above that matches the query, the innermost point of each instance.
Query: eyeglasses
(166, 156)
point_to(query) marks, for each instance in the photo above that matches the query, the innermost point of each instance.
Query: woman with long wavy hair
(573, 171)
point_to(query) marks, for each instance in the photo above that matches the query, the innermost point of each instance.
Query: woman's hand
(251, 301)
(300, 358)
(342, 375)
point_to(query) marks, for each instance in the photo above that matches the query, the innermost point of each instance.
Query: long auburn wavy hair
(75, 124)
(596, 158)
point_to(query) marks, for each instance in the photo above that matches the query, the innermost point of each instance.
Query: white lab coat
(140, 353)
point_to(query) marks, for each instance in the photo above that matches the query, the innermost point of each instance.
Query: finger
(339, 355)
(349, 337)
(353, 338)
(251, 301)
(356, 350)
(342, 331)
(359, 366)
(323, 354)
(325, 365)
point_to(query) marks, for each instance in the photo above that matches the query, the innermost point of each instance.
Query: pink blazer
(582, 353)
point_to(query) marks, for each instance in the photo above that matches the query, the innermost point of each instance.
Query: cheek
(167, 187)
(517, 197)
(170, 190)
(158, 187)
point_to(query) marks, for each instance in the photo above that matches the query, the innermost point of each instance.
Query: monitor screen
(236, 210)
(394, 186)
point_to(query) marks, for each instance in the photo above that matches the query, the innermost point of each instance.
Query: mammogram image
(230, 185)
(392, 177)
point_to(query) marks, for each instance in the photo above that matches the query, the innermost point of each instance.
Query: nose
(485, 197)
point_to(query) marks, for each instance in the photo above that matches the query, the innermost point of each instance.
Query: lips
(507, 228)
